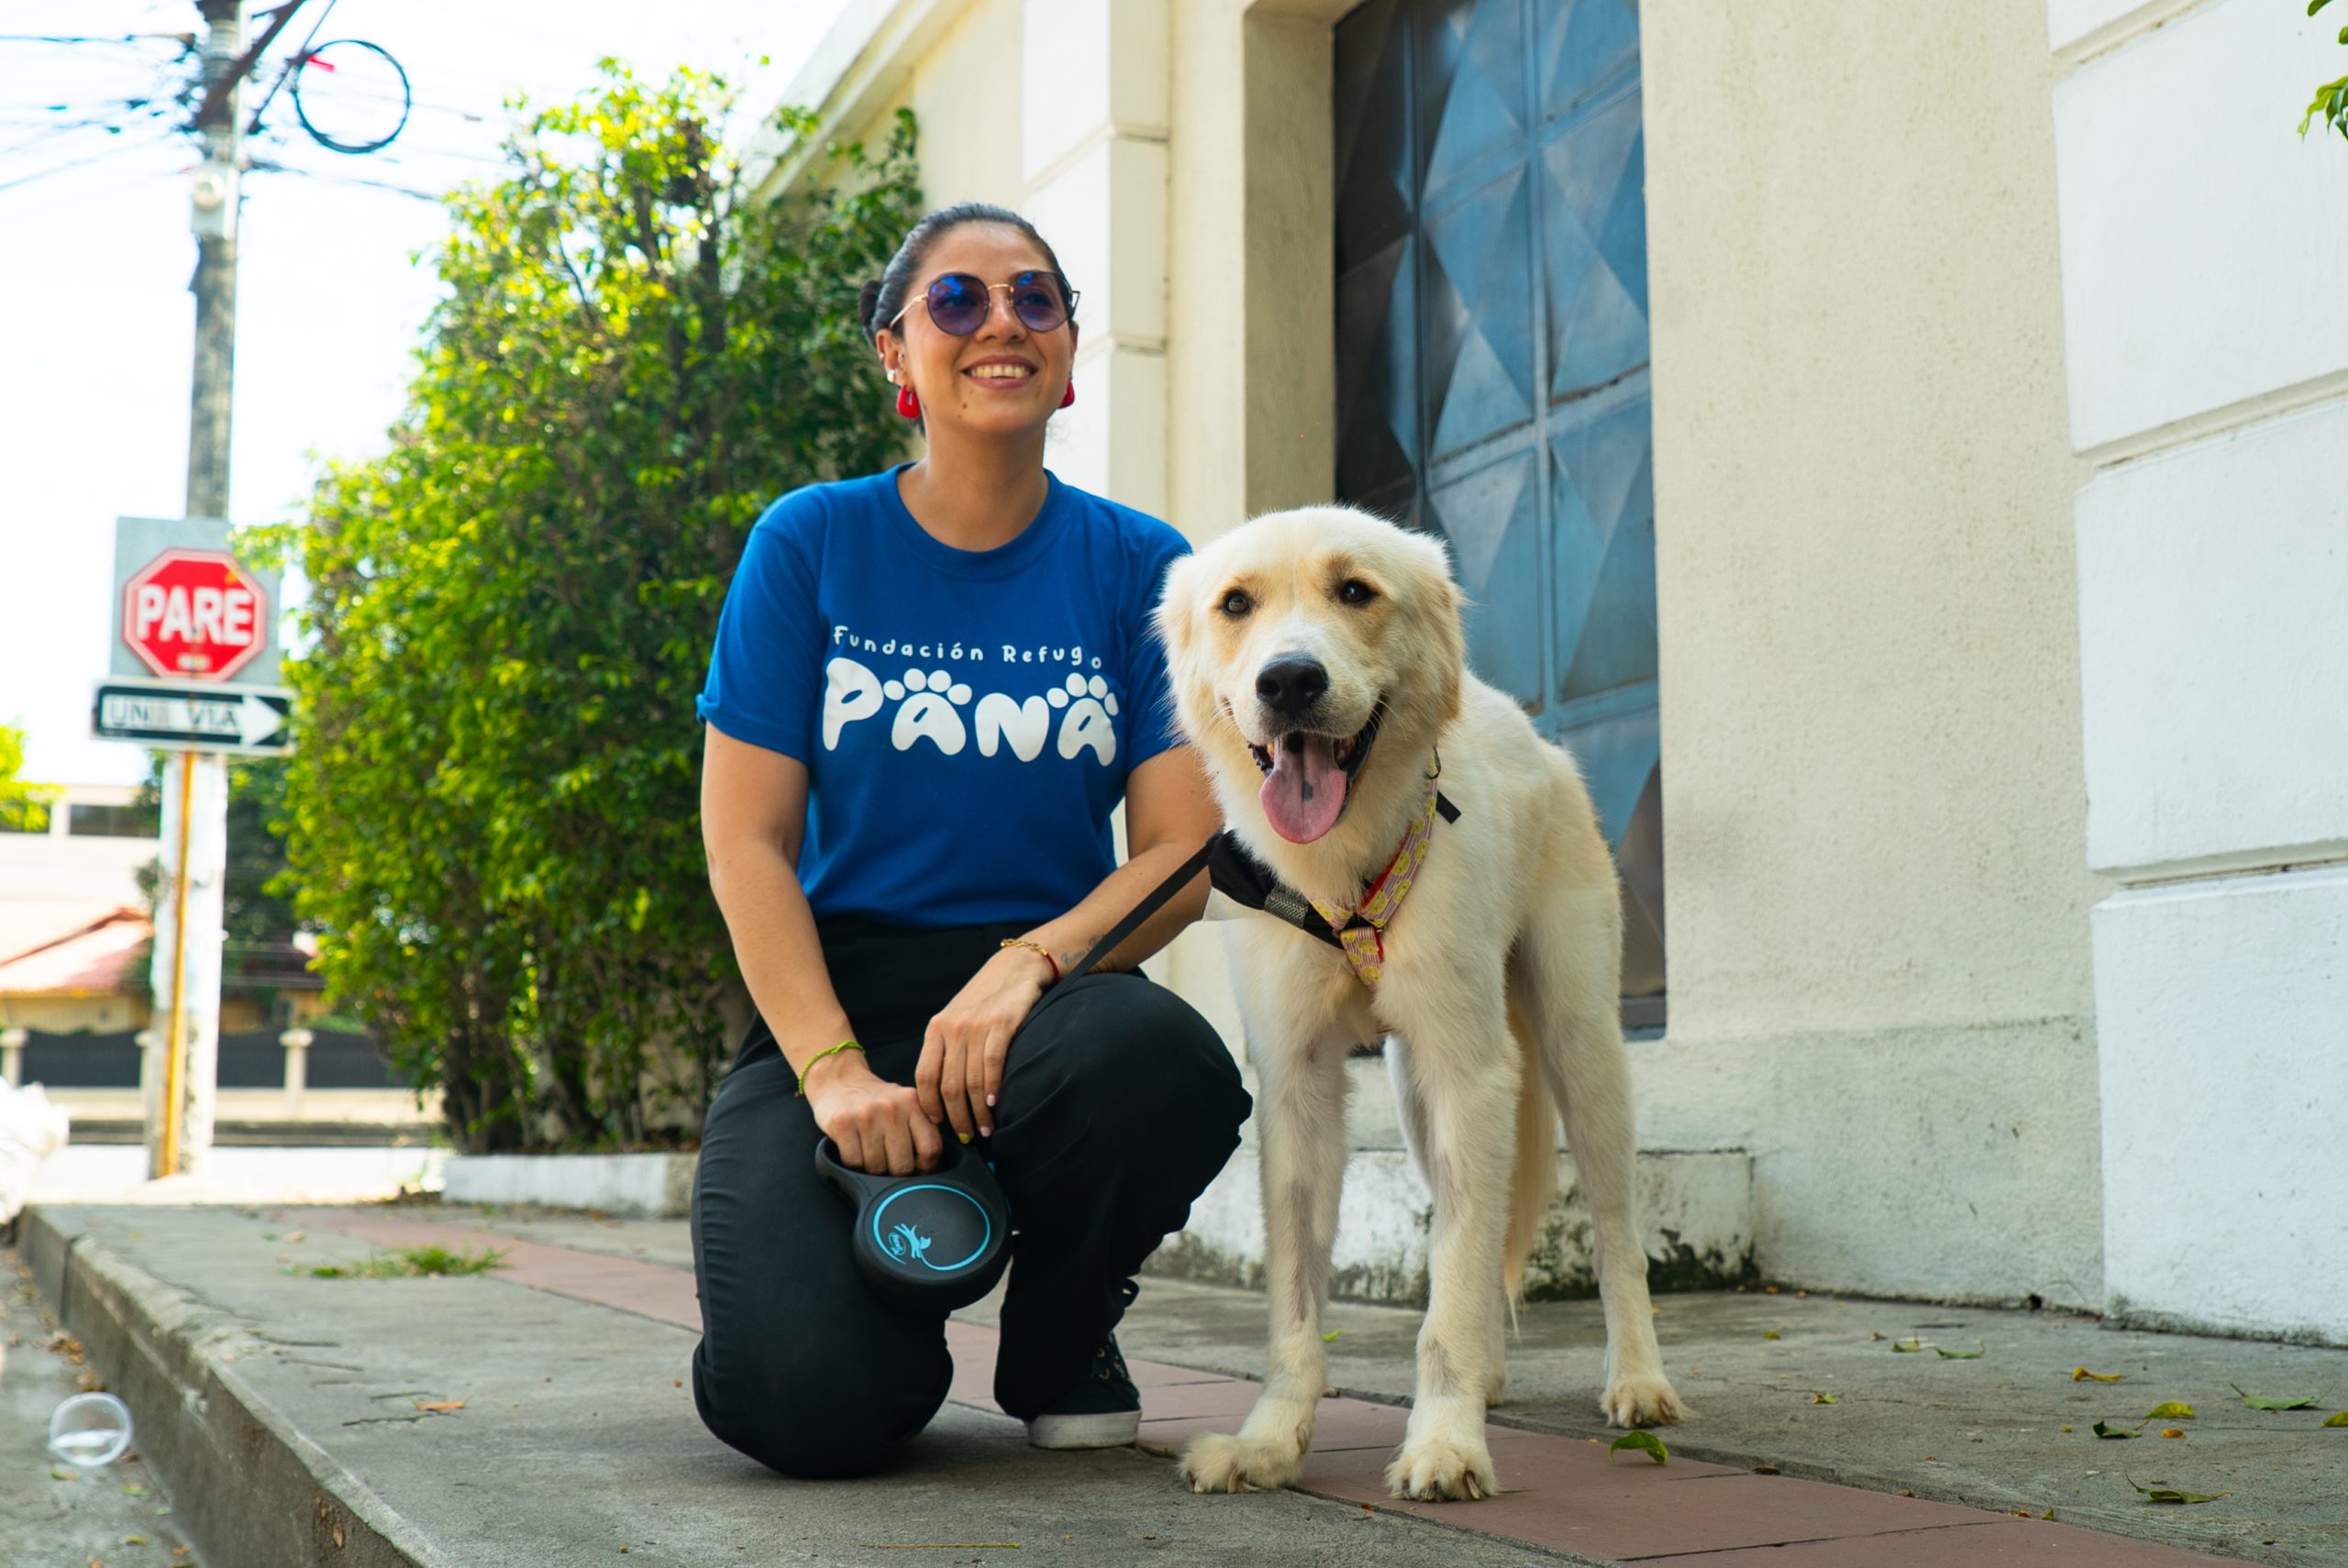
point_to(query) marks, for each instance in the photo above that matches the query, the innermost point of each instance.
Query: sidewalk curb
(245, 1487)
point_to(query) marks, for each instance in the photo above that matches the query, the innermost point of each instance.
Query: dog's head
(1321, 650)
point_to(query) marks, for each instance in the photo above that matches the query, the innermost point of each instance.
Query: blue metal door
(1492, 367)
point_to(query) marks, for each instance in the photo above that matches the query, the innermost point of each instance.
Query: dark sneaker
(1103, 1410)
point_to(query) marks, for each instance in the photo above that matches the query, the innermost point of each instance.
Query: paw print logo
(930, 699)
(1096, 688)
(1091, 711)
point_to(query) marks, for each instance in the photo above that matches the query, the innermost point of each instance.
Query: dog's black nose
(1291, 683)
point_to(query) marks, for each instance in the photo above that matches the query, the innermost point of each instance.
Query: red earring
(907, 404)
(1069, 396)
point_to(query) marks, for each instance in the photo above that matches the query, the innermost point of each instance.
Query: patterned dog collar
(1362, 931)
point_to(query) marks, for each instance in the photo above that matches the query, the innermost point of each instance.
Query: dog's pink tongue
(1305, 790)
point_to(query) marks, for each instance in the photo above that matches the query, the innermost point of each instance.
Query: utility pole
(183, 1093)
(215, 203)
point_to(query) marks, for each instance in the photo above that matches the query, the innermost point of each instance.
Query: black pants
(1118, 1105)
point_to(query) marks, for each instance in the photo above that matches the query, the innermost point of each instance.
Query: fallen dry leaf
(2172, 1431)
(2171, 1411)
(2260, 1401)
(439, 1407)
(2080, 1375)
(1645, 1442)
(2161, 1491)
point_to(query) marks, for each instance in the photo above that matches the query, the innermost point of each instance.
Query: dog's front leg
(1463, 1079)
(1300, 1122)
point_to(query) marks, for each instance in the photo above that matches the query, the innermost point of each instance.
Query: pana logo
(1076, 716)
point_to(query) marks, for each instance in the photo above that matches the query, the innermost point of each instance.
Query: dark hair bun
(867, 302)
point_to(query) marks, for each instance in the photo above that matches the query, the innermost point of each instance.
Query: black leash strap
(1237, 876)
(1142, 911)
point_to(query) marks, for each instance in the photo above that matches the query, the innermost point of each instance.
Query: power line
(96, 38)
(49, 131)
(340, 178)
(116, 149)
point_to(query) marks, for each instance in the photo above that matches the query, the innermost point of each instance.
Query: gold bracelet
(833, 1051)
(1035, 947)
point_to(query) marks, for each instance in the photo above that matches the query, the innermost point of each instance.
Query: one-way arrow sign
(175, 716)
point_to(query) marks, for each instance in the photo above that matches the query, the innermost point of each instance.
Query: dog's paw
(1216, 1461)
(1442, 1470)
(1647, 1401)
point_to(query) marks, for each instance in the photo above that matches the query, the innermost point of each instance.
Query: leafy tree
(24, 808)
(494, 805)
(2330, 102)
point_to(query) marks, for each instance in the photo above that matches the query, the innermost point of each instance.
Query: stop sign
(194, 614)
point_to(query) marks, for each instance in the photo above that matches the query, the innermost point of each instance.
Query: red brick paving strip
(1562, 1492)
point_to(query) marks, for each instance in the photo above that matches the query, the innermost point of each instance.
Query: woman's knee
(823, 1419)
(1139, 1053)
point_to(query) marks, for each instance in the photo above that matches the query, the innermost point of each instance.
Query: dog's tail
(1533, 1185)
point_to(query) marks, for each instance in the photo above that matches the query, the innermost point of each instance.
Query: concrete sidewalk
(538, 1415)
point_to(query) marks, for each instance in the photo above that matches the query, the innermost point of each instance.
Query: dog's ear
(1440, 603)
(1172, 615)
(1174, 620)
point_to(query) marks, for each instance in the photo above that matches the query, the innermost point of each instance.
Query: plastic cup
(90, 1430)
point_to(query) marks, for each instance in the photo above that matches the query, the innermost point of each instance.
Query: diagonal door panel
(1492, 351)
(1479, 335)
(1493, 521)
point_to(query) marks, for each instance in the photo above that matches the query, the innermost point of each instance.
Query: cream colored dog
(1319, 666)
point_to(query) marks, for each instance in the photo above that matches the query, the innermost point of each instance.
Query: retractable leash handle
(939, 1239)
(930, 1241)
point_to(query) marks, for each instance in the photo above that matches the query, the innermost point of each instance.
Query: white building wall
(1880, 976)
(2208, 357)
(1092, 150)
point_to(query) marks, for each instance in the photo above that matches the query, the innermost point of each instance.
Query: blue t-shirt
(968, 717)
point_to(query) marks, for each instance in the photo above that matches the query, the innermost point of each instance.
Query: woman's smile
(1001, 371)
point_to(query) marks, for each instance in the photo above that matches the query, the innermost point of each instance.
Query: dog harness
(1358, 932)
(1362, 931)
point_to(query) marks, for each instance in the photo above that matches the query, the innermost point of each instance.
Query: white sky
(96, 321)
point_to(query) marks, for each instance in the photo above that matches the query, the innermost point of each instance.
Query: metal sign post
(195, 662)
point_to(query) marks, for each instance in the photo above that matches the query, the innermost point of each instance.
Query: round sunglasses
(958, 303)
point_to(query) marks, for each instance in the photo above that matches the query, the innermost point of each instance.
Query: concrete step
(1695, 1218)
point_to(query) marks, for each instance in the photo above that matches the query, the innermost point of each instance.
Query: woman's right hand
(878, 1125)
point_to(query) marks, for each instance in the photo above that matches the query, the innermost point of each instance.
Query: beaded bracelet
(1035, 947)
(833, 1051)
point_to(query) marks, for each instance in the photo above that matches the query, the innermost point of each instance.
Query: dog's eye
(1352, 590)
(1236, 604)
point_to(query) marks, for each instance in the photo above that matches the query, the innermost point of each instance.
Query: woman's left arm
(1169, 812)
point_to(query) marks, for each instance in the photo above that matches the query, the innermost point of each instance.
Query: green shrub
(492, 811)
